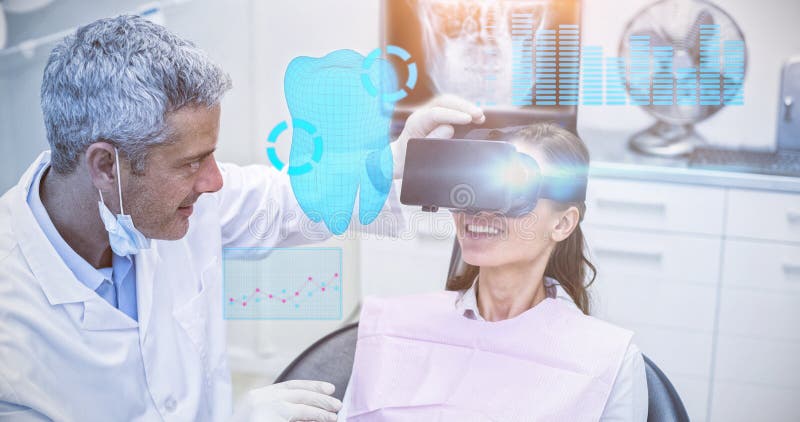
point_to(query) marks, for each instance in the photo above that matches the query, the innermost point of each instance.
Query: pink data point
(231, 299)
(309, 278)
(244, 303)
(323, 289)
(283, 300)
(297, 293)
(258, 290)
(270, 296)
(336, 274)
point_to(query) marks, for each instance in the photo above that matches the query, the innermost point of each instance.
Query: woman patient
(511, 339)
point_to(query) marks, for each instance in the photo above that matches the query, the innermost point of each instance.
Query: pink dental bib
(418, 359)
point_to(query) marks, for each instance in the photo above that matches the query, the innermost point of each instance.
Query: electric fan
(706, 70)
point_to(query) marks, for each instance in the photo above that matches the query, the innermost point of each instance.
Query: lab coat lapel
(99, 315)
(146, 262)
(193, 314)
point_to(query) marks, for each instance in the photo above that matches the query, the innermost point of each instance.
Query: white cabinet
(759, 314)
(763, 215)
(654, 206)
(738, 401)
(667, 257)
(709, 280)
(763, 266)
(685, 356)
(646, 301)
(758, 338)
(657, 248)
(751, 360)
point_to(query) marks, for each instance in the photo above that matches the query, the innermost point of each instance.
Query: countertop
(611, 158)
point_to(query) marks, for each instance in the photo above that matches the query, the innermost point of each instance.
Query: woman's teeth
(471, 228)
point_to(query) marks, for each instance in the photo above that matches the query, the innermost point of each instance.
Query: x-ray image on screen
(481, 50)
(469, 47)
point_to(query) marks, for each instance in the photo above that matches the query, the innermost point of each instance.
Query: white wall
(209, 23)
(772, 35)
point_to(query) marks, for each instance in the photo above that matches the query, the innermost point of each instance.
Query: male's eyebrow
(199, 156)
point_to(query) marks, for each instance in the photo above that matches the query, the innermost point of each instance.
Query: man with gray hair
(111, 243)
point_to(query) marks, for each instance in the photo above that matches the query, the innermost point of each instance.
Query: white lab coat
(66, 354)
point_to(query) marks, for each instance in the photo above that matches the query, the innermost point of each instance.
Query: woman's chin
(479, 258)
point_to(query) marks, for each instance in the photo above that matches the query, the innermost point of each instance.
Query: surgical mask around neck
(124, 238)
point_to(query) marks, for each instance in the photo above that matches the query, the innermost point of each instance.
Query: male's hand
(434, 120)
(289, 401)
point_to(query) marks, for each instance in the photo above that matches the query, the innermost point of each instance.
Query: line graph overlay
(282, 283)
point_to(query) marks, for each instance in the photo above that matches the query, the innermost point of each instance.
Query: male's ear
(566, 224)
(100, 163)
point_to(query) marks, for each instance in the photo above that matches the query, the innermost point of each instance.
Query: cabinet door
(768, 315)
(754, 360)
(763, 215)
(744, 402)
(664, 287)
(683, 306)
(655, 206)
(684, 356)
(652, 278)
(652, 256)
(758, 340)
(762, 266)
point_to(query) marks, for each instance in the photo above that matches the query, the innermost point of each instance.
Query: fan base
(666, 140)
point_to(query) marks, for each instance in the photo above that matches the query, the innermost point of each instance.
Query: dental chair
(340, 346)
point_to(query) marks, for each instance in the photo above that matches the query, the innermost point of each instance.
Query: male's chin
(176, 230)
(181, 228)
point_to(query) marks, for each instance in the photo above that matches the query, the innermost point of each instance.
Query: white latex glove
(434, 120)
(289, 401)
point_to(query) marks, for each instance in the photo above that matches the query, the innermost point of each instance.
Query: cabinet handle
(654, 257)
(643, 207)
(791, 270)
(793, 217)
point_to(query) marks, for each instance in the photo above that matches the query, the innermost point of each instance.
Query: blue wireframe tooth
(340, 136)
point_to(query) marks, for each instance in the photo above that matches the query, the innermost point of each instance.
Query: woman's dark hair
(568, 263)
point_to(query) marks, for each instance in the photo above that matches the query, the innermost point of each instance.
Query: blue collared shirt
(115, 284)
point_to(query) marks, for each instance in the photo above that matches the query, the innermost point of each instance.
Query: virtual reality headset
(474, 176)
